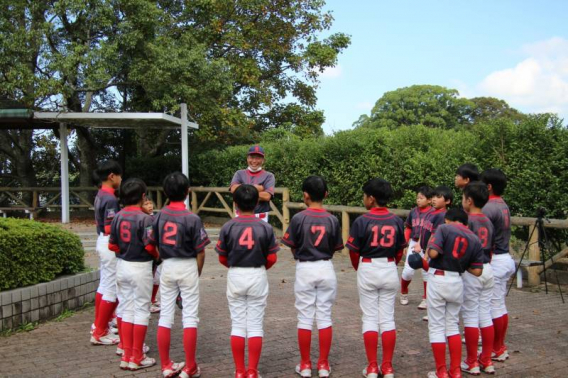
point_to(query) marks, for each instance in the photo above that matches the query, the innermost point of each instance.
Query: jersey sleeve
(221, 246)
(477, 257)
(354, 242)
(200, 238)
(408, 221)
(401, 239)
(110, 210)
(269, 184)
(113, 238)
(236, 179)
(155, 230)
(337, 238)
(436, 241)
(273, 246)
(148, 234)
(291, 235)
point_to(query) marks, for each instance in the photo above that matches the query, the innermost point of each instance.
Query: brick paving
(538, 338)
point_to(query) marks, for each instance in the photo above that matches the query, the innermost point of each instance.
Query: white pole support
(64, 173)
(519, 278)
(184, 145)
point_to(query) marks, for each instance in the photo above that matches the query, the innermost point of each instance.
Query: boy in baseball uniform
(181, 239)
(452, 250)
(476, 308)
(413, 224)
(109, 175)
(465, 174)
(376, 243)
(314, 235)
(130, 235)
(502, 263)
(247, 246)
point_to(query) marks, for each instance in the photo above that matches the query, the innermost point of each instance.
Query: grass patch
(27, 327)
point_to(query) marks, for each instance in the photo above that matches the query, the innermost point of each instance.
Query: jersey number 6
(125, 234)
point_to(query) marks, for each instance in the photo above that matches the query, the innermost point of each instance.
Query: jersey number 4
(387, 237)
(246, 238)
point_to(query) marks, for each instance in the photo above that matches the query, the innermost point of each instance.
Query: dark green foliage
(533, 153)
(33, 252)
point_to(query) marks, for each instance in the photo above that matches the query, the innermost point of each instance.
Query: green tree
(489, 109)
(428, 105)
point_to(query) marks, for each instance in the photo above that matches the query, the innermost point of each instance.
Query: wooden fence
(201, 201)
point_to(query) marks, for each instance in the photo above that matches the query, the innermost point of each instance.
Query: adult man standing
(262, 180)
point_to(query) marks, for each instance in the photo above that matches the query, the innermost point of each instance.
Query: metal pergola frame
(111, 120)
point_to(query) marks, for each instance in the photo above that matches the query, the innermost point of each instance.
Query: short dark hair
(496, 178)
(468, 171)
(380, 189)
(175, 186)
(131, 191)
(456, 215)
(425, 190)
(316, 187)
(104, 169)
(444, 191)
(478, 193)
(246, 197)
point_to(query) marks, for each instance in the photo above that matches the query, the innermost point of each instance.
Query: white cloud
(365, 105)
(331, 72)
(539, 83)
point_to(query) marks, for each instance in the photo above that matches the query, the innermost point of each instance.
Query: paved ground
(538, 337)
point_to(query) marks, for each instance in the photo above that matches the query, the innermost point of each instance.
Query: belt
(369, 259)
(439, 272)
(300, 260)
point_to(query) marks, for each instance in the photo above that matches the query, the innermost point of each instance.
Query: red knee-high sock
(439, 351)
(471, 339)
(504, 330)
(106, 309)
(404, 286)
(238, 348)
(371, 339)
(118, 327)
(389, 341)
(164, 340)
(155, 292)
(254, 348)
(190, 345)
(139, 334)
(425, 286)
(98, 299)
(498, 326)
(325, 337)
(305, 343)
(455, 347)
(127, 340)
(487, 338)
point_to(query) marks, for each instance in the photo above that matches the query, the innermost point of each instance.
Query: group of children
(463, 253)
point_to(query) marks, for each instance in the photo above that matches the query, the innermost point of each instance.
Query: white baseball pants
(444, 296)
(179, 275)
(134, 281)
(477, 294)
(407, 271)
(107, 266)
(377, 282)
(247, 292)
(503, 267)
(157, 274)
(315, 290)
(262, 216)
(120, 308)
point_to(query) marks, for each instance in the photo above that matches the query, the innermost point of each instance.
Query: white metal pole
(64, 173)
(184, 145)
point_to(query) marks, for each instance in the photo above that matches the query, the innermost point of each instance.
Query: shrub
(33, 252)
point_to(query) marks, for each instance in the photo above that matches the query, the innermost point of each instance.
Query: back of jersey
(480, 225)
(459, 249)
(498, 213)
(246, 241)
(131, 230)
(314, 234)
(377, 234)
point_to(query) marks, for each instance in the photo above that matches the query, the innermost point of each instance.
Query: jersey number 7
(321, 231)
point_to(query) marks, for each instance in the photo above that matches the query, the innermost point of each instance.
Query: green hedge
(33, 252)
(533, 154)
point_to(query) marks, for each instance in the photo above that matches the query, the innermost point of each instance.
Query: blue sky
(514, 50)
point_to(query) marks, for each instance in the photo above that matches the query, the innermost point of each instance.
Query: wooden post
(285, 210)
(35, 201)
(345, 228)
(159, 202)
(534, 254)
(194, 203)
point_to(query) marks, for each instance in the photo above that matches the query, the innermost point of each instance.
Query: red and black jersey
(498, 213)
(106, 208)
(177, 232)
(429, 225)
(483, 228)
(131, 231)
(246, 241)
(459, 249)
(415, 220)
(262, 177)
(314, 234)
(378, 233)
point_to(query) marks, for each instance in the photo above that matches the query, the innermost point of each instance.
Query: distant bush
(33, 252)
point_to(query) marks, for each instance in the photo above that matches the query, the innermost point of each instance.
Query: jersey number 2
(246, 238)
(458, 251)
(170, 232)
